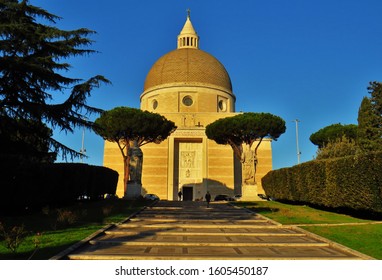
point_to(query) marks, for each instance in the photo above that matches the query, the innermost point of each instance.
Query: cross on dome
(188, 38)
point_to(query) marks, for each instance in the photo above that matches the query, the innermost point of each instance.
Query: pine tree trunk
(126, 166)
(126, 174)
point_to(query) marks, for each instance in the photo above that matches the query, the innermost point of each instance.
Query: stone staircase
(191, 231)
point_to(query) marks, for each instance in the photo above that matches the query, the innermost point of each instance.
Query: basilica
(193, 89)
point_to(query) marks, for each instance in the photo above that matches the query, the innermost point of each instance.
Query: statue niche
(249, 163)
(136, 160)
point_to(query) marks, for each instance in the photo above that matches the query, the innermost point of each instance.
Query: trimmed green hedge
(33, 185)
(353, 182)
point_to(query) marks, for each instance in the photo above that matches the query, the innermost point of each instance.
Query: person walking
(180, 195)
(208, 198)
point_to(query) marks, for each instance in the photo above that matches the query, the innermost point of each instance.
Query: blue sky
(298, 59)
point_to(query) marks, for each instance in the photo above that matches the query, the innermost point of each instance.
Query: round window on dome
(155, 104)
(187, 101)
(222, 105)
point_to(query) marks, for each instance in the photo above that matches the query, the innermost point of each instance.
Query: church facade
(193, 89)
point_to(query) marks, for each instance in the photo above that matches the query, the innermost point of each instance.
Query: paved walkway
(190, 230)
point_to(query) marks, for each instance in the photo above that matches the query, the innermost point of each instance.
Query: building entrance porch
(188, 168)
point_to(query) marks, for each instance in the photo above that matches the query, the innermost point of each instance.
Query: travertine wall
(220, 173)
(169, 99)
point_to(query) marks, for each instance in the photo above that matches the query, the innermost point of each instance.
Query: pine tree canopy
(332, 133)
(124, 124)
(245, 128)
(32, 70)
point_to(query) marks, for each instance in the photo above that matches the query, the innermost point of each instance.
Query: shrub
(66, 217)
(12, 236)
(36, 185)
(340, 147)
(353, 182)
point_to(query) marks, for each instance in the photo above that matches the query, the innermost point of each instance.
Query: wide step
(190, 231)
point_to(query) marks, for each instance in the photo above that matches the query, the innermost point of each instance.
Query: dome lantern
(187, 66)
(188, 38)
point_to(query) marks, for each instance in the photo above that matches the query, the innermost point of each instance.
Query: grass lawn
(50, 231)
(363, 238)
(288, 214)
(366, 239)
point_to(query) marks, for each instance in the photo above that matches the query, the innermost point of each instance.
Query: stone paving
(189, 230)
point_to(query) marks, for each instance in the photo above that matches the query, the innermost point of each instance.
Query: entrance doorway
(188, 166)
(188, 193)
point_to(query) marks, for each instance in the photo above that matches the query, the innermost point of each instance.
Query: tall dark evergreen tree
(369, 127)
(375, 90)
(18, 142)
(31, 71)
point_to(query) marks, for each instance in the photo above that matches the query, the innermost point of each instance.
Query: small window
(187, 101)
(155, 104)
(222, 105)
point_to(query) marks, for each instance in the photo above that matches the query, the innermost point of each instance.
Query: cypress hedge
(353, 182)
(24, 184)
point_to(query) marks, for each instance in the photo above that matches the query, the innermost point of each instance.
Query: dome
(190, 67)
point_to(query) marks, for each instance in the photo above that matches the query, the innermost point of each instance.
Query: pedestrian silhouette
(208, 199)
(180, 195)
